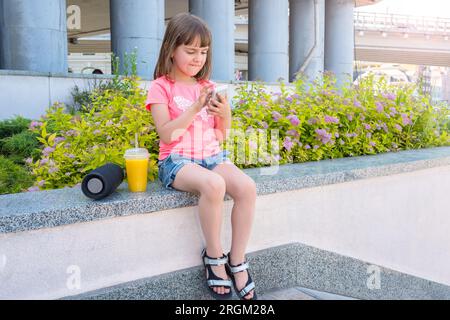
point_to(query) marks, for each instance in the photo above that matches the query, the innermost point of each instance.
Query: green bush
(315, 121)
(13, 126)
(83, 99)
(13, 178)
(20, 146)
(78, 144)
(320, 122)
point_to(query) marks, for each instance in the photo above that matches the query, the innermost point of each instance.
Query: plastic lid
(136, 153)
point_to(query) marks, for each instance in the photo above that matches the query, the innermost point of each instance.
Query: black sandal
(249, 286)
(213, 280)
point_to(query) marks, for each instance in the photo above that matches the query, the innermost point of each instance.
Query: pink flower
(330, 119)
(294, 120)
(72, 133)
(47, 151)
(393, 111)
(263, 124)
(276, 116)
(293, 133)
(323, 135)
(58, 140)
(287, 143)
(53, 170)
(34, 125)
(406, 120)
(389, 96)
(312, 121)
(379, 106)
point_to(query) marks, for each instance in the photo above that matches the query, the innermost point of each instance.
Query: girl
(191, 124)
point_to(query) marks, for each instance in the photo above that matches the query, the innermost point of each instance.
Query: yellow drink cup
(136, 162)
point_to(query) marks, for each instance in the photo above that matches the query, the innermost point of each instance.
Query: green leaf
(43, 141)
(44, 132)
(51, 139)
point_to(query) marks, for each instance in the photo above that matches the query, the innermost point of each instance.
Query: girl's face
(190, 59)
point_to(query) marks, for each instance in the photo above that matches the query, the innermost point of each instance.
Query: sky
(433, 8)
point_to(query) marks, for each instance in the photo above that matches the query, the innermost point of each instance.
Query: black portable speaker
(103, 181)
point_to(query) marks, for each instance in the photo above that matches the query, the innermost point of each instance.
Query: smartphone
(222, 92)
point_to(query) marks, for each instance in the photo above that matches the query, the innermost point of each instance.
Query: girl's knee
(246, 189)
(214, 186)
(251, 188)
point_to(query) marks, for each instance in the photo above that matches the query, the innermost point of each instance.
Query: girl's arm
(222, 116)
(223, 125)
(170, 130)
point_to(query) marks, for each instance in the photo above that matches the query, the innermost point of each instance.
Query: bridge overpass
(402, 39)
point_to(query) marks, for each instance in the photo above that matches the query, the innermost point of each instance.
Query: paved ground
(299, 293)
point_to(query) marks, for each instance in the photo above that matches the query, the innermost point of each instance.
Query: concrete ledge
(390, 210)
(47, 209)
(285, 267)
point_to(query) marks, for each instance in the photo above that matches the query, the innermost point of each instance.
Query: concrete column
(219, 15)
(268, 37)
(306, 37)
(33, 35)
(137, 24)
(339, 39)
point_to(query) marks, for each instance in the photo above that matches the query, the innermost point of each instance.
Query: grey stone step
(300, 293)
(294, 267)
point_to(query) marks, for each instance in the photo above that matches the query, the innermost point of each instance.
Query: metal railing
(373, 21)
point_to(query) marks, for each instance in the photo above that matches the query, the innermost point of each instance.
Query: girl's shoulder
(164, 80)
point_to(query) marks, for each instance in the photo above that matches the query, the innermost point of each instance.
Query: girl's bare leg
(211, 187)
(243, 191)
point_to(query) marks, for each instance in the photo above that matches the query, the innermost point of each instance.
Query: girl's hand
(203, 99)
(219, 108)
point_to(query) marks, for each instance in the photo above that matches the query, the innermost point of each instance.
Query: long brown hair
(183, 28)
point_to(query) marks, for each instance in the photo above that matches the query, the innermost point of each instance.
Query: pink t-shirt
(199, 139)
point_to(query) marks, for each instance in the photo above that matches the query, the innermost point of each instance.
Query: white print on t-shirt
(183, 104)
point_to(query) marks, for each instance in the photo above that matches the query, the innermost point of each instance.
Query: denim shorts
(169, 167)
